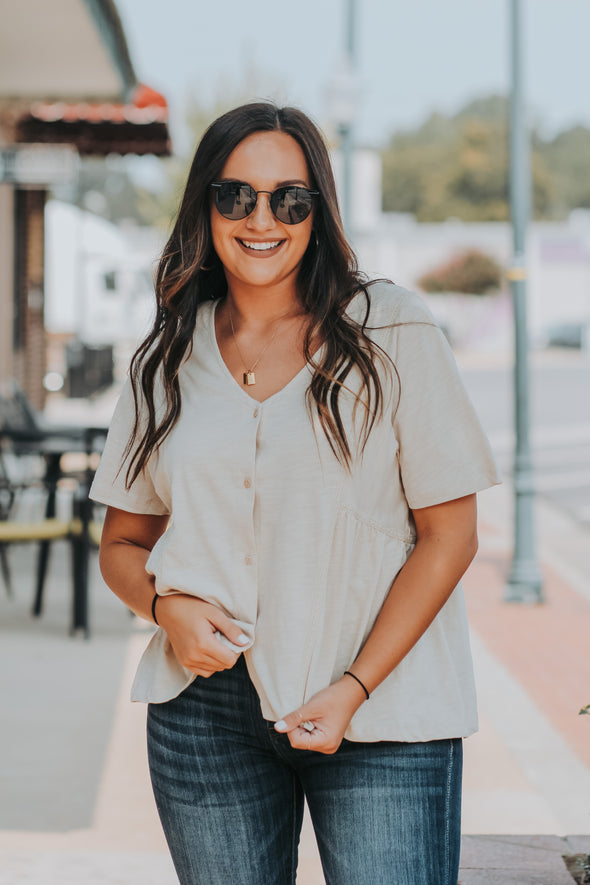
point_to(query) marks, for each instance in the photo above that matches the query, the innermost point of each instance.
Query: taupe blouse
(267, 525)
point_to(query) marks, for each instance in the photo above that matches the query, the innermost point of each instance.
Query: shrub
(471, 272)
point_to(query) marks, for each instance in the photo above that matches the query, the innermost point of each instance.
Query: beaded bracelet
(364, 688)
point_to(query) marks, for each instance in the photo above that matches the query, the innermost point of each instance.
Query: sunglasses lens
(235, 200)
(291, 205)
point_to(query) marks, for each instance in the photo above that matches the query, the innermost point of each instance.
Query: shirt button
(248, 559)
(255, 413)
(247, 483)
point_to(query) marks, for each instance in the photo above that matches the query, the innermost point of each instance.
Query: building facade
(67, 89)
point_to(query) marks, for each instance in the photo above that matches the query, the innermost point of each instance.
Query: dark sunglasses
(236, 200)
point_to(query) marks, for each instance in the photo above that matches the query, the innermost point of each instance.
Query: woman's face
(259, 250)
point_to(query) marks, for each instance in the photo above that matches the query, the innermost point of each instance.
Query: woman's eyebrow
(292, 181)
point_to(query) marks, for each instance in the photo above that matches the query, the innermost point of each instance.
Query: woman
(291, 477)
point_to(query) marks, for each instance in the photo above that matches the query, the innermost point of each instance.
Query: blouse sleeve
(108, 486)
(443, 451)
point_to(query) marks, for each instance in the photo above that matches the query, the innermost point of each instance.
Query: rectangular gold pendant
(249, 378)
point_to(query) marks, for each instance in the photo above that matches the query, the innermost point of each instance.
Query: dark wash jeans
(230, 793)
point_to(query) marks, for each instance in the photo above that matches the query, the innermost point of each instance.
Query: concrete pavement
(75, 803)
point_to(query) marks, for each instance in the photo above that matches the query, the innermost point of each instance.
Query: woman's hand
(329, 711)
(191, 623)
(192, 626)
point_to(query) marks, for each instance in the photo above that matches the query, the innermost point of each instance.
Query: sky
(411, 58)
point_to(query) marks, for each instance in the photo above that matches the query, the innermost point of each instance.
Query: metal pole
(524, 581)
(346, 135)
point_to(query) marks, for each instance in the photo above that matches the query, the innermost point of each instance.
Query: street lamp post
(342, 94)
(524, 580)
(346, 134)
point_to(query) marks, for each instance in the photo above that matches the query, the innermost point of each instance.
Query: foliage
(472, 272)
(457, 167)
(567, 158)
(585, 710)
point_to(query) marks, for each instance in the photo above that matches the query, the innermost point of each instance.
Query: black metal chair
(7, 496)
(27, 434)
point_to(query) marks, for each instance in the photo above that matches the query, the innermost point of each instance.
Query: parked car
(566, 335)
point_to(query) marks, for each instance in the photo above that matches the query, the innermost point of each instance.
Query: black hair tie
(154, 600)
(364, 688)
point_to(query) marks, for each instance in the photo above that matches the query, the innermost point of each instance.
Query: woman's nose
(262, 217)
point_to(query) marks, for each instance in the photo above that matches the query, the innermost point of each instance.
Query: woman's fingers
(318, 739)
(229, 631)
(294, 720)
(306, 730)
(320, 723)
(208, 652)
(198, 632)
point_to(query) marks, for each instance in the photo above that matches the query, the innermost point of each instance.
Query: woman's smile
(261, 248)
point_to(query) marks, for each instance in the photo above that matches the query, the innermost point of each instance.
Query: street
(560, 422)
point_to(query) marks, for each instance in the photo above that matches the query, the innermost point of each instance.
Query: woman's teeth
(260, 247)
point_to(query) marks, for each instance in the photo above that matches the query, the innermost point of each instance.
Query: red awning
(137, 127)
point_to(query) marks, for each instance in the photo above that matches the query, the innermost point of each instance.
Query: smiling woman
(308, 437)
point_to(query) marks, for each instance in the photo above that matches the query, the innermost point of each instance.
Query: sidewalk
(527, 772)
(75, 803)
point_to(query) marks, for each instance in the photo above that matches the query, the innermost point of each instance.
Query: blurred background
(102, 103)
(94, 161)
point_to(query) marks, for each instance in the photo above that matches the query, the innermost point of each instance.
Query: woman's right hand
(190, 622)
(191, 625)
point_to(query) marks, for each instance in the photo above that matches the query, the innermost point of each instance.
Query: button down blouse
(298, 550)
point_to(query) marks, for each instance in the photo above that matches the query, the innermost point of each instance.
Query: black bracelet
(348, 673)
(154, 600)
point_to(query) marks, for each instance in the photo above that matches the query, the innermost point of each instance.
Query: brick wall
(29, 337)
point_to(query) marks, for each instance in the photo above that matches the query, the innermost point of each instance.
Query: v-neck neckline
(235, 384)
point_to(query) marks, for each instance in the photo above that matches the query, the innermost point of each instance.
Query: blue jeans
(230, 793)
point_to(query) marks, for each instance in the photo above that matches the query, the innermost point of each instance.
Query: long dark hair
(189, 272)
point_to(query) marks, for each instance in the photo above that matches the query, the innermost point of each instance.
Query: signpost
(524, 581)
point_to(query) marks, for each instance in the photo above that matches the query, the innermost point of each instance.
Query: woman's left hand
(329, 711)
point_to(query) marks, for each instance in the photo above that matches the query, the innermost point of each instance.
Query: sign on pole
(38, 165)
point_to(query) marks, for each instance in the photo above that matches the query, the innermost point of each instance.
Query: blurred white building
(99, 285)
(98, 280)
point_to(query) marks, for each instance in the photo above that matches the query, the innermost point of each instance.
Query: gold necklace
(249, 376)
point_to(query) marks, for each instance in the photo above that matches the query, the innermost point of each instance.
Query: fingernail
(243, 639)
(281, 725)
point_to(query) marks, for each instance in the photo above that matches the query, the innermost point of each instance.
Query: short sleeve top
(268, 525)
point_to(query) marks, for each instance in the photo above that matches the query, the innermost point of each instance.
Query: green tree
(567, 158)
(457, 166)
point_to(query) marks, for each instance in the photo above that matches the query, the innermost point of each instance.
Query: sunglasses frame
(216, 185)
